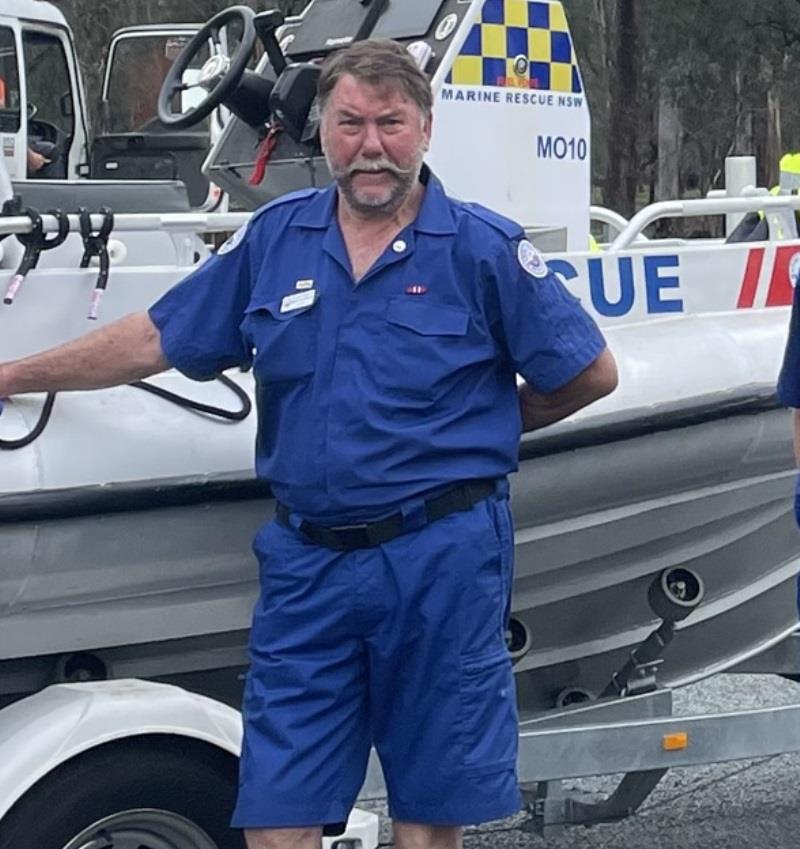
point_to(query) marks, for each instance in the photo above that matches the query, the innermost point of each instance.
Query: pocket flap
(426, 318)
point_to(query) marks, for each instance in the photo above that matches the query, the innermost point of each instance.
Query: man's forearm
(541, 409)
(128, 349)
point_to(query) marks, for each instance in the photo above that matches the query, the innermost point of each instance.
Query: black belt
(463, 496)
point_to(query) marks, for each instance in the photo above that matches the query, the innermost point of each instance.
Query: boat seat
(120, 196)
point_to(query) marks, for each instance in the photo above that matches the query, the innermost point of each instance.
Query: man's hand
(127, 350)
(36, 161)
(539, 409)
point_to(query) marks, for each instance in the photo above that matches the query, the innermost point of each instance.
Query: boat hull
(162, 584)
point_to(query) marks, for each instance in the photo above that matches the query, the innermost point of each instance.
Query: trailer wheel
(148, 793)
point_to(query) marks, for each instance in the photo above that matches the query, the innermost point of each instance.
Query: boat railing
(611, 219)
(181, 227)
(197, 222)
(781, 205)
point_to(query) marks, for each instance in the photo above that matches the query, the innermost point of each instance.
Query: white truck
(125, 520)
(43, 106)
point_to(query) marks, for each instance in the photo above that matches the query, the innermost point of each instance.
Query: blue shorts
(401, 647)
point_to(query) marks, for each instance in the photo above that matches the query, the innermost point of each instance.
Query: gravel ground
(743, 805)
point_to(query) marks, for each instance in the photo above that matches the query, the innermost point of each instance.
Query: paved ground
(745, 805)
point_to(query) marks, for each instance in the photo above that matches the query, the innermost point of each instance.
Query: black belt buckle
(353, 536)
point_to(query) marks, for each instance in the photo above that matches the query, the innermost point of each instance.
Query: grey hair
(379, 62)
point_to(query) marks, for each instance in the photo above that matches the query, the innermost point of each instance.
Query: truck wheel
(150, 793)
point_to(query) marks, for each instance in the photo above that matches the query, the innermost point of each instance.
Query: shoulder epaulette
(506, 226)
(283, 200)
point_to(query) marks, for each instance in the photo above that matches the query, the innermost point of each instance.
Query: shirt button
(399, 246)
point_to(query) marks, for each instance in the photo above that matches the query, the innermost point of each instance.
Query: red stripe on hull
(747, 295)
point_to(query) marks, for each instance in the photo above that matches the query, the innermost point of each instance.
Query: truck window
(138, 67)
(51, 114)
(9, 83)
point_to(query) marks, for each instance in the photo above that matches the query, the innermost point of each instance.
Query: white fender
(40, 732)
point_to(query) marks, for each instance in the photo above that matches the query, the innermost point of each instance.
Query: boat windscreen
(407, 19)
(138, 67)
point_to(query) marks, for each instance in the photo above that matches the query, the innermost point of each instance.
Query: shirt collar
(434, 217)
(318, 213)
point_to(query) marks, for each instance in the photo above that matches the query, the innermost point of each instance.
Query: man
(36, 161)
(385, 323)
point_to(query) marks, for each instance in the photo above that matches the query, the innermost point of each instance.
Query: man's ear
(323, 130)
(427, 129)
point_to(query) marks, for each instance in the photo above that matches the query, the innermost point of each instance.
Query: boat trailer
(631, 729)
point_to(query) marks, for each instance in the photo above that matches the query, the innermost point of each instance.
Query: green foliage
(728, 67)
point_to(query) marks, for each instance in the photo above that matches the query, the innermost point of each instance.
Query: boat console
(294, 49)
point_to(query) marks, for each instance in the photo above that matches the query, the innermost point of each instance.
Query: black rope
(41, 424)
(196, 406)
(181, 401)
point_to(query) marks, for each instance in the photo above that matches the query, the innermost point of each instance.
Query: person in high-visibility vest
(789, 180)
(755, 226)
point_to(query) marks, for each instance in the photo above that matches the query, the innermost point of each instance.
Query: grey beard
(406, 180)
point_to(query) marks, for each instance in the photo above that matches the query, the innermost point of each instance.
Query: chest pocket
(424, 343)
(285, 342)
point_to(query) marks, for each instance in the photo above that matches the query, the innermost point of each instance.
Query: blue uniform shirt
(369, 395)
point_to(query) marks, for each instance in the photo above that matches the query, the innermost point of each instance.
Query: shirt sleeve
(549, 337)
(200, 318)
(789, 380)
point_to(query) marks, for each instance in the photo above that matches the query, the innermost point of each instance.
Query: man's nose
(372, 143)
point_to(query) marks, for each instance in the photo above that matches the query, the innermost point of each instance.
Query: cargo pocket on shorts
(488, 713)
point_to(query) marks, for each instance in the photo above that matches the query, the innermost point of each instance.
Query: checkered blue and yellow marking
(510, 29)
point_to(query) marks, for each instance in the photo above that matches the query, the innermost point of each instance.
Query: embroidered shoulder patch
(234, 241)
(531, 260)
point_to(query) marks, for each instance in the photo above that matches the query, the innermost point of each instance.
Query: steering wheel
(219, 76)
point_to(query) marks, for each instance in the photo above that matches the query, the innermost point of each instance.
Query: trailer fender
(45, 730)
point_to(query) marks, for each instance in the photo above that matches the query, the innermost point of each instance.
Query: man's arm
(127, 350)
(597, 380)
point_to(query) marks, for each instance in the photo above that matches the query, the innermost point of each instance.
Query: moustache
(373, 166)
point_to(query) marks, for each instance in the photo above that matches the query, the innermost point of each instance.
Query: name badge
(299, 301)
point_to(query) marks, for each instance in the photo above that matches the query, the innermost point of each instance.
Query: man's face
(374, 138)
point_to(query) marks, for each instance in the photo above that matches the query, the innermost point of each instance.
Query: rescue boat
(125, 523)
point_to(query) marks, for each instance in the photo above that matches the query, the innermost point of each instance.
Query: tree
(624, 124)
